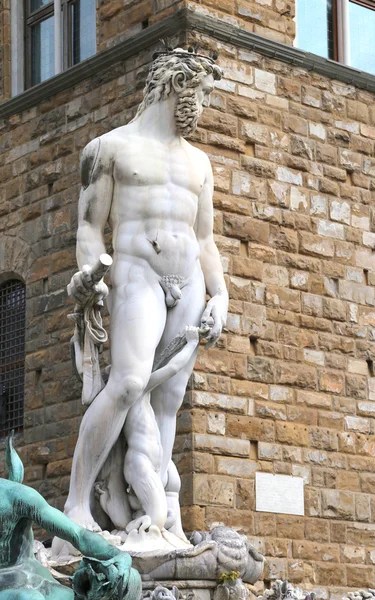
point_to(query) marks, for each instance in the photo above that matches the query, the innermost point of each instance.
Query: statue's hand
(82, 288)
(122, 563)
(192, 334)
(103, 578)
(215, 315)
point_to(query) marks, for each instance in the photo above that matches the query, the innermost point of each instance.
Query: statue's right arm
(95, 200)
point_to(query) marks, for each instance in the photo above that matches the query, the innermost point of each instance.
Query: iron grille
(12, 354)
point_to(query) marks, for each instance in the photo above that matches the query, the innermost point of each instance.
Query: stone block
(337, 504)
(280, 393)
(340, 211)
(247, 268)
(330, 229)
(269, 451)
(192, 518)
(287, 176)
(254, 133)
(265, 81)
(298, 200)
(251, 428)
(292, 433)
(363, 507)
(316, 246)
(326, 576)
(221, 445)
(311, 551)
(213, 489)
(359, 424)
(216, 423)
(236, 467)
(360, 576)
(313, 399)
(317, 530)
(245, 228)
(300, 375)
(317, 130)
(275, 275)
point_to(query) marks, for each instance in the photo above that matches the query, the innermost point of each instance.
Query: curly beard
(187, 112)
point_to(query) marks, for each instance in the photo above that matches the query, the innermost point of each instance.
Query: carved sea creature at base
(220, 551)
(283, 590)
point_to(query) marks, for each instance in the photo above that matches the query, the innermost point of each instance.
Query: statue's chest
(153, 166)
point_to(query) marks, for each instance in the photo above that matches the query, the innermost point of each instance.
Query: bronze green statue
(106, 574)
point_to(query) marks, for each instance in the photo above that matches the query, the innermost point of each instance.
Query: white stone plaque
(279, 494)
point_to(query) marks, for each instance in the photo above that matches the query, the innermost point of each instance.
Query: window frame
(366, 3)
(335, 31)
(32, 19)
(66, 49)
(68, 40)
(340, 36)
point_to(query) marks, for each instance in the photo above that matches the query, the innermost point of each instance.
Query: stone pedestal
(191, 589)
(219, 565)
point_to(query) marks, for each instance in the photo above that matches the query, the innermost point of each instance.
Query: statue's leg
(172, 493)
(167, 398)
(147, 485)
(137, 321)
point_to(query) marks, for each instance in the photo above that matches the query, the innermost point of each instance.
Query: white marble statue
(155, 190)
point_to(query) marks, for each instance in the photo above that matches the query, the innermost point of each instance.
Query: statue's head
(187, 75)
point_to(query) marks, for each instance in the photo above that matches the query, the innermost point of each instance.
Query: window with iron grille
(12, 354)
(47, 51)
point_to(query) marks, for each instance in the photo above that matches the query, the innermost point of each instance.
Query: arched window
(12, 354)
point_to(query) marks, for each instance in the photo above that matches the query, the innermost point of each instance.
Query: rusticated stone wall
(291, 386)
(290, 389)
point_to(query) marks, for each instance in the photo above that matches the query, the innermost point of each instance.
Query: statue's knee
(128, 388)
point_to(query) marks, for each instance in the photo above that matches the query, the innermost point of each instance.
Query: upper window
(362, 35)
(12, 354)
(342, 30)
(55, 42)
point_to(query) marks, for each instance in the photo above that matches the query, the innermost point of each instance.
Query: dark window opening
(78, 36)
(12, 355)
(81, 30)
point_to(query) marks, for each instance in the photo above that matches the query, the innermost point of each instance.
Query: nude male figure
(155, 190)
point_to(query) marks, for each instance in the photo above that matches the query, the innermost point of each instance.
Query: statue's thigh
(137, 323)
(168, 396)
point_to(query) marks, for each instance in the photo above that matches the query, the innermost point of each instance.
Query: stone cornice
(184, 20)
(144, 40)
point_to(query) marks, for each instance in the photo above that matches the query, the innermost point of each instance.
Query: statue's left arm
(217, 306)
(55, 522)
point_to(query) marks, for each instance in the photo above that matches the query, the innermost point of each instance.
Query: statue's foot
(62, 549)
(176, 541)
(177, 531)
(141, 524)
(84, 518)
(120, 532)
